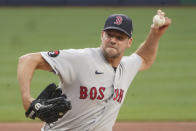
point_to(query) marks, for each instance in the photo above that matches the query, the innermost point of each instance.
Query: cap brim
(117, 28)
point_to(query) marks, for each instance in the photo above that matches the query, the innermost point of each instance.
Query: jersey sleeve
(134, 61)
(132, 65)
(62, 64)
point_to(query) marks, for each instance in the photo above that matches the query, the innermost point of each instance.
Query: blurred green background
(165, 92)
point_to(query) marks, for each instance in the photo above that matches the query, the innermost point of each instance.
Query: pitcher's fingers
(167, 21)
(159, 12)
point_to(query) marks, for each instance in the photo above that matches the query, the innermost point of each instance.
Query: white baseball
(158, 20)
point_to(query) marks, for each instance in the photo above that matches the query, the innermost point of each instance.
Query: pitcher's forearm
(148, 49)
(26, 68)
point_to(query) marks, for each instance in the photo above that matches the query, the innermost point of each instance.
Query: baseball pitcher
(93, 81)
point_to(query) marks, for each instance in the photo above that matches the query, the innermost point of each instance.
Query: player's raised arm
(148, 49)
(26, 66)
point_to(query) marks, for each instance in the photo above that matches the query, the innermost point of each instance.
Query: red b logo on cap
(119, 20)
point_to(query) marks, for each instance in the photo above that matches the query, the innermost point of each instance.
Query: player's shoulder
(84, 51)
(132, 62)
(131, 58)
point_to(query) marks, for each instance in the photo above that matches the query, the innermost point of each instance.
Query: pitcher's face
(114, 43)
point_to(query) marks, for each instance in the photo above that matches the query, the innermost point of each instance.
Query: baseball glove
(50, 105)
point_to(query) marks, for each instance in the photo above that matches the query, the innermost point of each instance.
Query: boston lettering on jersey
(93, 93)
(98, 93)
(118, 95)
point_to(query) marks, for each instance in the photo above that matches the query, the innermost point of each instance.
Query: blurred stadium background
(165, 92)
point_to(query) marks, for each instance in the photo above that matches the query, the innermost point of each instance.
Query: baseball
(158, 20)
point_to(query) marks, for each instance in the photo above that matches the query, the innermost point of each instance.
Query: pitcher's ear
(130, 42)
(102, 33)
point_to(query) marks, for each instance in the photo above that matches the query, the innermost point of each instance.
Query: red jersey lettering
(101, 90)
(120, 96)
(93, 93)
(83, 92)
(115, 94)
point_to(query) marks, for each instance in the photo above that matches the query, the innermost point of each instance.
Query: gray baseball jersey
(95, 89)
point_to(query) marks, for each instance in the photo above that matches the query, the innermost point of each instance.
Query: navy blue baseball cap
(119, 22)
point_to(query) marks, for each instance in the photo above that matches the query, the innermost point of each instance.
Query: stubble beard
(108, 53)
